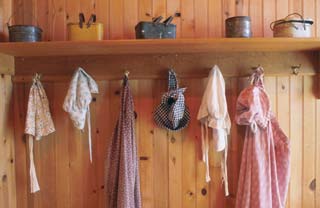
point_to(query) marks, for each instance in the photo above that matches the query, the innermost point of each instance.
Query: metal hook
(37, 77)
(296, 69)
(256, 67)
(126, 73)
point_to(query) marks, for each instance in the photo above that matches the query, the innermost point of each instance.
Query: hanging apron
(122, 168)
(38, 124)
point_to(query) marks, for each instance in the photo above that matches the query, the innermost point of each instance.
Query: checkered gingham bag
(172, 113)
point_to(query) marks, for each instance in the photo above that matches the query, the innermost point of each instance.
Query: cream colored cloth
(78, 99)
(213, 113)
(38, 123)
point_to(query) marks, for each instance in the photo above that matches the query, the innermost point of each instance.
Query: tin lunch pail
(24, 33)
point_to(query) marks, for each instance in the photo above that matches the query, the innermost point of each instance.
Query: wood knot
(144, 158)
(151, 132)
(102, 187)
(94, 99)
(177, 14)
(174, 160)
(190, 193)
(313, 185)
(117, 92)
(4, 178)
(204, 191)
(173, 140)
(97, 131)
(135, 115)
(283, 87)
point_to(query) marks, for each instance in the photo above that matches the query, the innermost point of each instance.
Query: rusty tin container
(238, 27)
(293, 26)
(24, 33)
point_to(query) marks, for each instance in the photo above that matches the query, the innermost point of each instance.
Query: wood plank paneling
(256, 14)
(144, 109)
(116, 21)
(296, 135)
(189, 158)
(7, 151)
(161, 157)
(173, 7)
(172, 175)
(309, 141)
(199, 19)
(215, 19)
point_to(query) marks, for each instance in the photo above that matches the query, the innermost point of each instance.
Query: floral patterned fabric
(265, 165)
(78, 99)
(122, 167)
(38, 123)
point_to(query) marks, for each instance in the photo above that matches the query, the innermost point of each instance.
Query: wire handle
(14, 14)
(272, 24)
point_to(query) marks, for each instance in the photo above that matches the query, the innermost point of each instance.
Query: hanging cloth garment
(78, 99)
(213, 113)
(265, 165)
(38, 124)
(172, 113)
(122, 168)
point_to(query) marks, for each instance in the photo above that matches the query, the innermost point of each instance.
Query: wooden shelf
(179, 46)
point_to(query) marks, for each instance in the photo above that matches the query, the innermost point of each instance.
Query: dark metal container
(152, 30)
(238, 27)
(24, 33)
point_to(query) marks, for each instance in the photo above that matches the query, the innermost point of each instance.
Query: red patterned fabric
(265, 165)
(122, 168)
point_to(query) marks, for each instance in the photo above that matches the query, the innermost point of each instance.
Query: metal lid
(239, 17)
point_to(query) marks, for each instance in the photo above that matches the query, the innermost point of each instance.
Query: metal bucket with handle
(293, 25)
(24, 33)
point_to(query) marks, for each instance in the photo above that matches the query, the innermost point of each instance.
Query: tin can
(24, 33)
(238, 27)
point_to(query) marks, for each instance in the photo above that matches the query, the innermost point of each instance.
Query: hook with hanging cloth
(257, 76)
(296, 69)
(36, 78)
(126, 73)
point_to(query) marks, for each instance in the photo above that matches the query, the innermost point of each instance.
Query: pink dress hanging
(265, 166)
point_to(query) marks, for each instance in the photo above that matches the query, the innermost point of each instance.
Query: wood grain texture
(172, 175)
(296, 135)
(159, 47)
(7, 151)
(199, 18)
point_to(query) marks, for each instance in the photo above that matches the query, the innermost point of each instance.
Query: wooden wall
(171, 171)
(199, 18)
(172, 174)
(7, 157)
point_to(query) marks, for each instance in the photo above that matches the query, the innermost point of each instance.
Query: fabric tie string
(34, 185)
